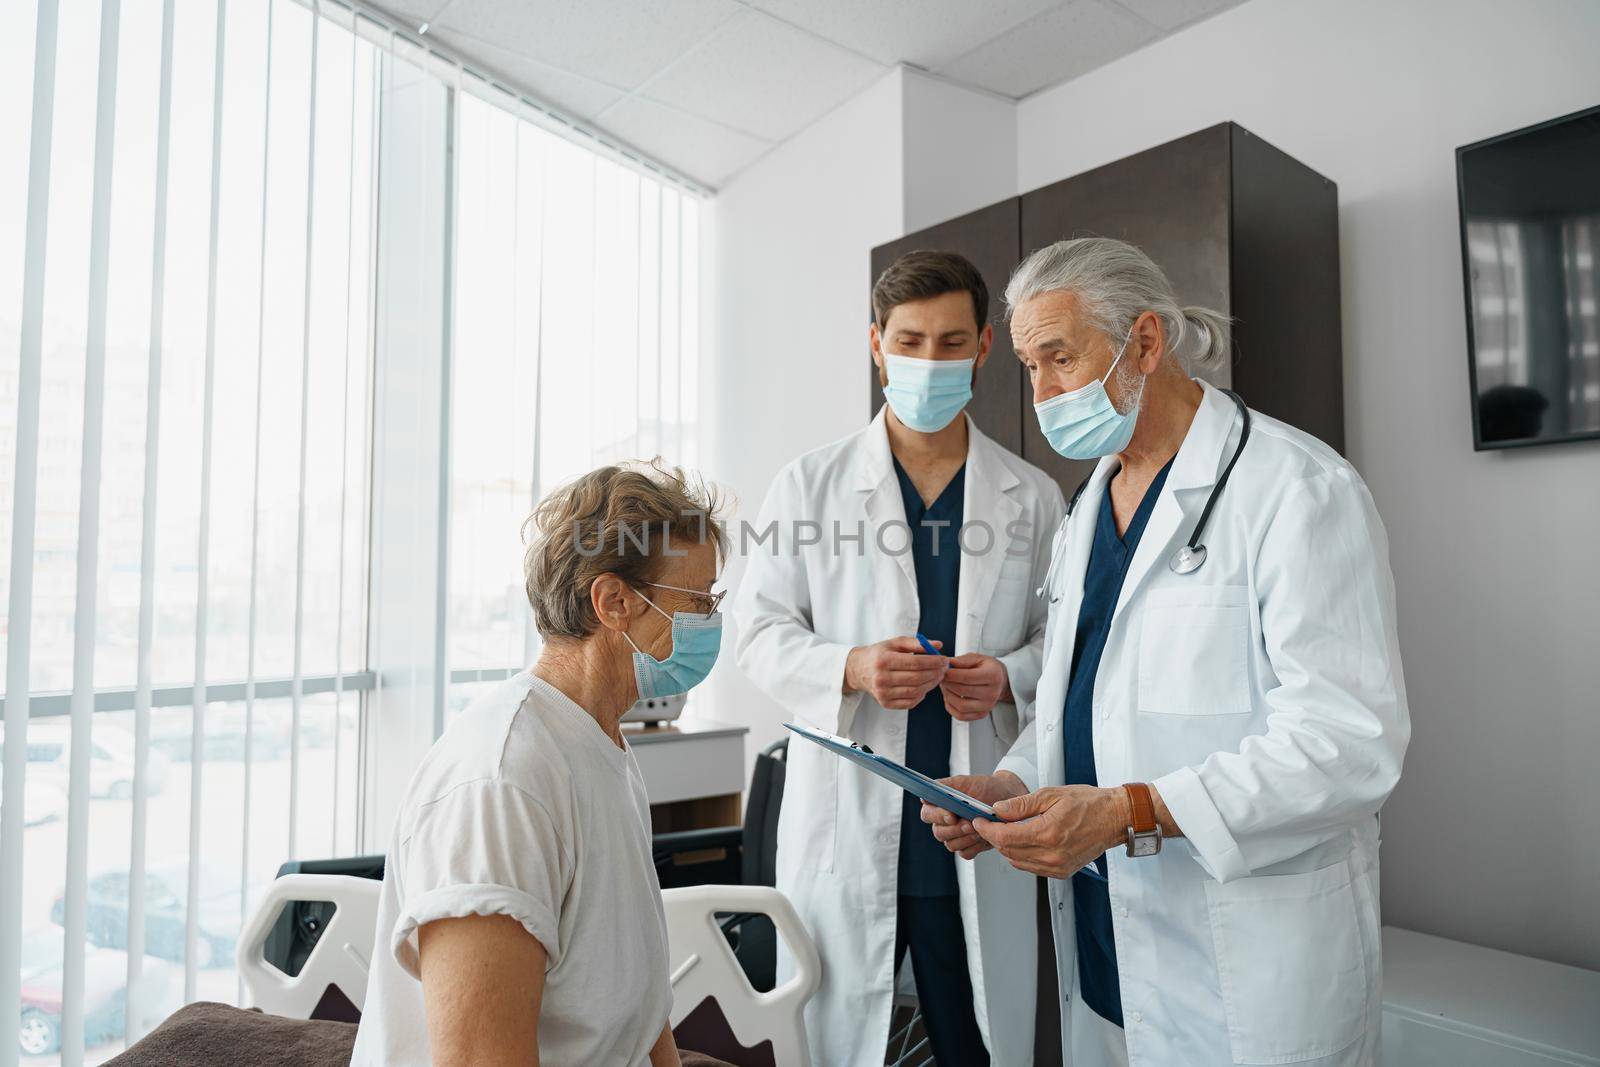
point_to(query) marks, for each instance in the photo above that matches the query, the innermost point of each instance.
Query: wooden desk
(693, 773)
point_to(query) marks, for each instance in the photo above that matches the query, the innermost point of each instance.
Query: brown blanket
(218, 1035)
(212, 1035)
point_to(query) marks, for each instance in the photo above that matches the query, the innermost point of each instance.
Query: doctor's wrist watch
(1144, 833)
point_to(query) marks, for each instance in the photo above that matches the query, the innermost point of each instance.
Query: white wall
(787, 312)
(960, 149)
(1493, 553)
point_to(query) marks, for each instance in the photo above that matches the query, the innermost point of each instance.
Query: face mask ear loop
(652, 603)
(1120, 353)
(630, 640)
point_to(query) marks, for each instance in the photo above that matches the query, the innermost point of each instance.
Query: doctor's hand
(973, 685)
(896, 673)
(957, 833)
(1065, 827)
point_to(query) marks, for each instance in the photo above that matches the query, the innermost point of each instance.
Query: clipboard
(913, 782)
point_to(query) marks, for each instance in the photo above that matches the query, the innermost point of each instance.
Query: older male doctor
(1221, 712)
(917, 524)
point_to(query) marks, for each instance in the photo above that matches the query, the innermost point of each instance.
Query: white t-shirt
(524, 807)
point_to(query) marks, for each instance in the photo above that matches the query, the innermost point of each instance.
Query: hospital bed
(715, 1010)
(305, 955)
(306, 952)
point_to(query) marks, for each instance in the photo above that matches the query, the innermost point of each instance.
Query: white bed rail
(341, 957)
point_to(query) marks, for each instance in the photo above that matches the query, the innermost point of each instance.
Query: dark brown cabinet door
(1172, 202)
(990, 239)
(1236, 224)
(1288, 360)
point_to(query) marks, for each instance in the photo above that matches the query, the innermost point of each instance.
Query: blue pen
(927, 646)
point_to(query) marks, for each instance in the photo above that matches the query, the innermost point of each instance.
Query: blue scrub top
(1102, 585)
(927, 868)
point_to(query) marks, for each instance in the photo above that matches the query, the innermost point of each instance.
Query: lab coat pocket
(812, 791)
(1194, 650)
(1289, 958)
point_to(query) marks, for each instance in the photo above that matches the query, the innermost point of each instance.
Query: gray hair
(1117, 283)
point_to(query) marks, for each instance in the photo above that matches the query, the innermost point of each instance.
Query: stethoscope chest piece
(1188, 559)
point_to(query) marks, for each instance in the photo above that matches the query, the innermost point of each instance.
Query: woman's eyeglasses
(712, 600)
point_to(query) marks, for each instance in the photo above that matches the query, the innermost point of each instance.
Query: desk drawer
(688, 767)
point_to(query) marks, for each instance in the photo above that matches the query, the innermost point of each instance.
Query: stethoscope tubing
(1193, 554)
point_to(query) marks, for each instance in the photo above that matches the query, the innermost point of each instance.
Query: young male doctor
(1221, 712)
(917, 524)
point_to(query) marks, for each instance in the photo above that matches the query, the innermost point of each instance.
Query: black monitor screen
(1530, 238)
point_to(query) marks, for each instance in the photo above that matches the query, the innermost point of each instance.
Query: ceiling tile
(1170, 14)
(615, 42)
(1052, 47)
(925, 33)
(578, 96)
(763, 77)
(703, 150)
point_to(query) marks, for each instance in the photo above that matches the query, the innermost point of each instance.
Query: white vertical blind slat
(659, 435)
(638, 296)
(132, 1029)
(255, 489)
(344, 455)
(529, 631)
(441, 648)
(191, 921)
(296, 696)
(74, 918)
(369, 423)
(24, 496)
(677, 410)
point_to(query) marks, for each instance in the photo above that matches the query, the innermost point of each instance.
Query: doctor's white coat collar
(1198, 463)
(1195, 468)
(983, 468)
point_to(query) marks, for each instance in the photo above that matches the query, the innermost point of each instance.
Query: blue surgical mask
(696, 640)
(1084, 424)
(926, 394)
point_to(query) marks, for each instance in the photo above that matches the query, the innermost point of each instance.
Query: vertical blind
(188, 228)
(576, 329)
(185, 329)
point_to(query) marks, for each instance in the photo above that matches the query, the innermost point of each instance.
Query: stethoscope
(1192, 556)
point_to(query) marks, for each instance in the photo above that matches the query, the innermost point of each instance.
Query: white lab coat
(799, 611)
(1262, 696)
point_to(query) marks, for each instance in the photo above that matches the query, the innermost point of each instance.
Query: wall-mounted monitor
(1530, 245)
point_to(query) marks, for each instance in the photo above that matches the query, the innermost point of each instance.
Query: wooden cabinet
(1237, 225)
(988, 237)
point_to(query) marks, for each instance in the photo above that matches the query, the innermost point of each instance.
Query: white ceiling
(708, 86)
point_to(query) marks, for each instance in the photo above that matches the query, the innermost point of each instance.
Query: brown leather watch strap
(1144, 808)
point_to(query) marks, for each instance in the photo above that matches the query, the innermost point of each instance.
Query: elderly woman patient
(521, 920)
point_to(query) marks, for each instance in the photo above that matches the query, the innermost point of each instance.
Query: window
(576, 324)
(193, 385)
(202, 439)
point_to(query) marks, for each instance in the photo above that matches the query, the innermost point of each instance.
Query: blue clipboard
(913, 782)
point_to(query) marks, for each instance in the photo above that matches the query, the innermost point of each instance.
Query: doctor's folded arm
(894, 604)
(1220, 711)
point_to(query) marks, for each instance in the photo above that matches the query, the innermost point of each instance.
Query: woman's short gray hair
(1117, 283)
(605, 522)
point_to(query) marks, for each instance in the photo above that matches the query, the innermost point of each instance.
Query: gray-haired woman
(521, 918)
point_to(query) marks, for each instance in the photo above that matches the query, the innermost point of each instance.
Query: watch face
(1146, 845)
